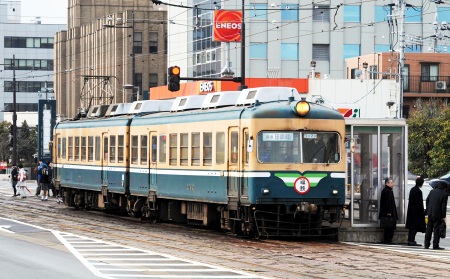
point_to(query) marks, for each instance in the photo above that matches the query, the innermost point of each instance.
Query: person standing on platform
(388, 208)
(415, 220)
(13, 175)
(22, 181)
(437, 211)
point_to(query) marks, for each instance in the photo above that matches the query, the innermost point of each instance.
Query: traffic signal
(174, 78)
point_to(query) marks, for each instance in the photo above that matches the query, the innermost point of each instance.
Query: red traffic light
(173, 78)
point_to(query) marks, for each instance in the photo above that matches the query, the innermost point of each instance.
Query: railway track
(271, 258)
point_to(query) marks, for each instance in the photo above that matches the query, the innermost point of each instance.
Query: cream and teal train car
(261, 162)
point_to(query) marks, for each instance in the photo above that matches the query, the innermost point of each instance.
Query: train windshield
(298, 147)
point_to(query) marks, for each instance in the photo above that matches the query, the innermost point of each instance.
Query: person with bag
(14, 175)
(437, 211)
(388, 211)
(22, 180)
(415, 219)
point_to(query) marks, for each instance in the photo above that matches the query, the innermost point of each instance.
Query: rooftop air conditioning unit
(441, 85)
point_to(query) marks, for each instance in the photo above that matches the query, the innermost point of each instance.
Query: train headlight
(335, 192)
(302, 108)
(265, 191)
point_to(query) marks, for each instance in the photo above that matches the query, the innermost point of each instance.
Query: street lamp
(133, 59)
(313, 69)
(131, 86)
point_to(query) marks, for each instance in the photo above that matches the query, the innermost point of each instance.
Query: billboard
(227, 26)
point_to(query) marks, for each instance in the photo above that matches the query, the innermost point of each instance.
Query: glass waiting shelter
(376, 149)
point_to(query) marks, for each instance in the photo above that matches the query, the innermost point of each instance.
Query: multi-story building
(425, 75)
(110, 53)
(27, 58)
(283, 37)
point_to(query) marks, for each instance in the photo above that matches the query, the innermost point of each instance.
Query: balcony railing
(427, 84)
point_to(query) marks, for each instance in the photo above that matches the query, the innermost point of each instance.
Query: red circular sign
(227, 26)
(302, 185)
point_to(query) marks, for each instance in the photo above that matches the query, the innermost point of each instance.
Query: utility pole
(14, 116)
(401, 5)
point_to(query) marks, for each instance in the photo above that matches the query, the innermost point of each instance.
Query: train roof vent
(97, 111)
(266, 94)
(187, 102)
(118, 109)
(220, 99)
(150, 106)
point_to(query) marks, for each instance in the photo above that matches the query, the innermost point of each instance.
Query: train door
(105, 159)
(233, 162)
(153, 159)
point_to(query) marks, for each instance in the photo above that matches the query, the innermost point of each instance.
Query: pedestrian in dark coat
(437, 211)
(415, 220)
(388, 208)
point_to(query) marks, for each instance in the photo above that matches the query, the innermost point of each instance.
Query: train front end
(298, 187)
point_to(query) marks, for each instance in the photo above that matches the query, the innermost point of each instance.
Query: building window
(153, 42)
(352, 13)
(258, 51)
(373, 72)
(289, 12)
(413, 14)
(443, 13)
(414, 49)
(351, 51)
(29, 86)
(321, 52)
(29, 64)
(289, 51)
(322, 13)
(153, 80)
(137, 42)
(381, 13)
(258, 11)
(430, 72)
(28, 42)
(382, 48)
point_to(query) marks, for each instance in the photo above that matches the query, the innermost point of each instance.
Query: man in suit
(388, 208)
(415, 220)
(436, 210)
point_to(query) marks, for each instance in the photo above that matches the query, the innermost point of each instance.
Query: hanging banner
(227, 26)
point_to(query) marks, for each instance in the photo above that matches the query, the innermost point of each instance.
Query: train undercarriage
(300, 220)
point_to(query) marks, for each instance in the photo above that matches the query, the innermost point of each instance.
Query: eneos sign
(227, 26)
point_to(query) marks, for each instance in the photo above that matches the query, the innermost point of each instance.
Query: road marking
(109, 260)
(5, 228)
(414, 250)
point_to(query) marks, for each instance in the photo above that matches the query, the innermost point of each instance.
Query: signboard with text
(227, 26)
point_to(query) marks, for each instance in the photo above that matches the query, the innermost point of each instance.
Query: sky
(50, 11)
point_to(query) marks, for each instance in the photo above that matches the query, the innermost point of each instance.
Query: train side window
(120, 148)
(112, 149)
(105, 149)
(207, 149)
(97, 148)
(220, 148)
(184, 149)
(173, 141)
(90, 148)
(70, 148)
(134, 149)
(144, 149)
(63, 147)
(234, 144)
(77, 149)
(195, 152)
(162, 148)
(59, 147)
(83, 148)
(154, 148)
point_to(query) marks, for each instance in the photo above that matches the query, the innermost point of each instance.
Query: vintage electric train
(260, 162)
